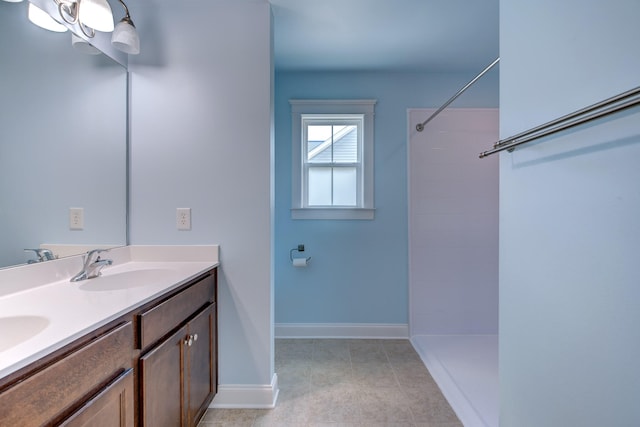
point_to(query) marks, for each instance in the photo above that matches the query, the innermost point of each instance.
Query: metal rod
(570, 120)
(572, 115)
(420, 126)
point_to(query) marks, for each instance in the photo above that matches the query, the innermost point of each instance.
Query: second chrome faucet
(92, 265)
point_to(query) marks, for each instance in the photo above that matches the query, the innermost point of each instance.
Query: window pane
(319, 186)
(345, 144)
(334, 143)
(319, 143)
(345, 186)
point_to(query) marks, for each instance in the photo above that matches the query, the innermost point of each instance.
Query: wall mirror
(63, 141)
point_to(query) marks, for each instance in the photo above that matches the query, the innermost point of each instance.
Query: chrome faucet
(92, 265)
(42, 254)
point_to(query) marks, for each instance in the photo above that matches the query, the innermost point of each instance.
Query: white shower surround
(453, 257)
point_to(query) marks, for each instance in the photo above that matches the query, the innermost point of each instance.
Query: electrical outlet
(183, 218)
(76, 218)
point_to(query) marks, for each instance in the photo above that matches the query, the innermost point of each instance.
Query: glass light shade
(43, 20)
(96, 14)
(125, 38)
(81, 45)
(13, 1)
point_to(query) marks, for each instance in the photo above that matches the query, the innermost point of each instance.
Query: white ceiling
(416, 35)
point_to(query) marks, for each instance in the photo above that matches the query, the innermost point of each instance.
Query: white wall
(569, 208)
(453, 223)
(201, 138)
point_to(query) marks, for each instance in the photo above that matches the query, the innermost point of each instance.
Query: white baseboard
(249, 396)
(341, 330)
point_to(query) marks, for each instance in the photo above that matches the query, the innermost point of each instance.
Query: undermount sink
(127, 279)
(17, 329)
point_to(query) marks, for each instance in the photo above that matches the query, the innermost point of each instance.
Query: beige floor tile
(337, 403)
(331, 350)
(291, 411)
(365, 344)
(271, 423)
(367, 351)
(229, 418)
(411, 373)
(325, 372)
(335, 425)
(384, 405)
(294, 348)
(428, 405)
(293, 372)
(346, 383)
(393, 424)
(399, 350)
(373, 374)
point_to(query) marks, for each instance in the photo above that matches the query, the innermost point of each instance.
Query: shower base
(466, 370)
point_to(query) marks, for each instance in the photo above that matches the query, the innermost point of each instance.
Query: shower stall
(453, 256)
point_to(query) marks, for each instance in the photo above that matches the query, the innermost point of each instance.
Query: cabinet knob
(190, 339)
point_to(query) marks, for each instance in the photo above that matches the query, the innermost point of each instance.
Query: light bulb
(43, 20)
(125, 37)
(96, 14)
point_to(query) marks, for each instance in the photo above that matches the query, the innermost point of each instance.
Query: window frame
(331, 120)
(339, 110)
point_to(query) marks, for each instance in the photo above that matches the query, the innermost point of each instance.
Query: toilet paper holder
(298, 261)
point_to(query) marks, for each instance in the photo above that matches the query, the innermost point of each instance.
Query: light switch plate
(76, 218)
(183, 218)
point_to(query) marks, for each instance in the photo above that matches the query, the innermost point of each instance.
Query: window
(332, 159)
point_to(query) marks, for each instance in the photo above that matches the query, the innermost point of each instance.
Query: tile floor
(346, 383)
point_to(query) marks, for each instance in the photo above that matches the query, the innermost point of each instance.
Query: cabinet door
(201, 367)
(161, 383)
(112, 407)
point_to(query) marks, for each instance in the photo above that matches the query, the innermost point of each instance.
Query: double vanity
(136, 345)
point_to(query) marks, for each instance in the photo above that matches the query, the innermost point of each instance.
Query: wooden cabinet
(178, 374)
(155, 366)
(53, 391)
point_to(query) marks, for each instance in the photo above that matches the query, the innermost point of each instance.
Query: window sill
(332, 213)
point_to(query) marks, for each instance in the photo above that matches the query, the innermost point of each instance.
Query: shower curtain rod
(619, 102)
(420, 126)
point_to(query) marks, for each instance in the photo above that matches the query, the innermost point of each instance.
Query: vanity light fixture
(90, 15)
(83, 46)
(13, 1)
(125, 37)
(43, 20)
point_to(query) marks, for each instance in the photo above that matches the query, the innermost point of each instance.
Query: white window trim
(364, 107)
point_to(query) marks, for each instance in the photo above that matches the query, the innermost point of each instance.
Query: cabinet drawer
(48, 393)
(166, 316)
(111, 407)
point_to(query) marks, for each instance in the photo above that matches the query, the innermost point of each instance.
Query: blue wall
(358, 272)
(570, 203)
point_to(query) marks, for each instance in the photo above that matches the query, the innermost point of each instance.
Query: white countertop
(38, 316)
